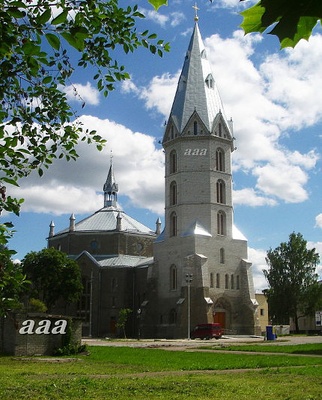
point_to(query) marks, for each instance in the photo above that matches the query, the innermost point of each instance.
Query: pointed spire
(110, 188)
(197, 90)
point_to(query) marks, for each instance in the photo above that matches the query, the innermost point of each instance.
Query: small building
(113, 251)
(262, 312)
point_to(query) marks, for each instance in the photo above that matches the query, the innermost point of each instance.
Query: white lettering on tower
(195, 152)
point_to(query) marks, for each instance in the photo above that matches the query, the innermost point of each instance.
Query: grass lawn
(137, 373)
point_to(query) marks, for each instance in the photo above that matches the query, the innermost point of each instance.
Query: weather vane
(196, 11)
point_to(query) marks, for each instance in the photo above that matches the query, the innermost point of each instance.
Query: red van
(207, 331)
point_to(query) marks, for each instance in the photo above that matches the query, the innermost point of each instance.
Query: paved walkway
(185, 343)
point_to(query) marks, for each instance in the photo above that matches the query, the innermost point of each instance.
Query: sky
(274, 97)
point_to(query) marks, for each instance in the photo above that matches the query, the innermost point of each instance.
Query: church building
(196, 270)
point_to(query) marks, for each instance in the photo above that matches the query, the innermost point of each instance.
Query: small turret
(158, 226)
(110, 189)
(52, 229)
(119, 222)
(72, 223)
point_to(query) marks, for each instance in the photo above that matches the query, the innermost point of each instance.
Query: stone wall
(37, 338)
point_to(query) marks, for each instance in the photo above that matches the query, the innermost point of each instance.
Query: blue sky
(273, 96)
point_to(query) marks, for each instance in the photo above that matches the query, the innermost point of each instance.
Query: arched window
(173, 162)
(226, 281)
(220, 160)
(232, 282)
(237, 282)
(173, 193)
(222, 256)
(221, 223)
(221, 191)
(220, 130)
(173, 224)
(173, 277)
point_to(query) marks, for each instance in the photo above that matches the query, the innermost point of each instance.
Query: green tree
(292, 280)
(53, 276)
(41, 44)
(13, 283)
(289, 20)
(122, 319)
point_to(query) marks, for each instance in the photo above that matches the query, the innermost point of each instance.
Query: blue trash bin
(269, 333)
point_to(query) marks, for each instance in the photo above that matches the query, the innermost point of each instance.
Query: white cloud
(251, 198)
(82, 93)
(174, 18)
(257, 258)
(160, 93)
(282, 181)
(318, 221)
(73, 186)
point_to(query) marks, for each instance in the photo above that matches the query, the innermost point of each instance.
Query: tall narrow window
(222, 256)
(173, 224)
(195, 128)
(226, 281)
(232, 282)
(173, 162)
(220, 160)
(237, 282)
(220, 130)
(84, 301)
(173, 277)
(218, 280)
(173, 193)
(211, 280)
(221, 223)
(221, 191)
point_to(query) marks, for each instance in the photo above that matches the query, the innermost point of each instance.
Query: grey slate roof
(193, 92)
(105, 220)
(118, 260)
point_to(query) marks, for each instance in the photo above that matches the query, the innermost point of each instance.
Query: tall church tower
(201, 273)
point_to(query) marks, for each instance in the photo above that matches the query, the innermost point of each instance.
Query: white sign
(195, 152)
(44, 327)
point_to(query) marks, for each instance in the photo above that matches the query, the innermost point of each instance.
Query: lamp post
(139, 312)
(188, 281)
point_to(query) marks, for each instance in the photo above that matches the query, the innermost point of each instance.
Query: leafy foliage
(291, 21)
(38, 42)
(13, 283)
(122, 319)
(292, 279)
(53, 275)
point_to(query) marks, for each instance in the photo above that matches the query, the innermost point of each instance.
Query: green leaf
(158, 3)
(15, 12)
(253, 19)
(53, 40)
(61, 18)
(44, 17)
(72, 41)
